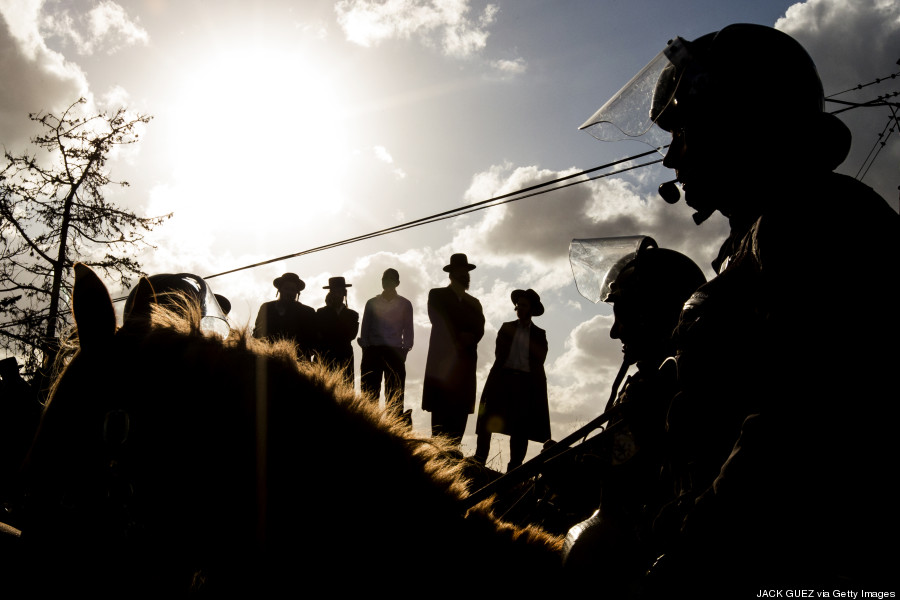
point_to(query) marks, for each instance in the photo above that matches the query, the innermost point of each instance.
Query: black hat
(289, 278)
(537, 309)
(336, 283)
(459, 261)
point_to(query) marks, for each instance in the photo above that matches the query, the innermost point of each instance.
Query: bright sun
(262, 129)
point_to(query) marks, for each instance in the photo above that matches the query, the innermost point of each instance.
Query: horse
(170, 461)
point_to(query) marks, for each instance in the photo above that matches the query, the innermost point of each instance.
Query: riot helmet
(647, 286)
(749, 76)
(169, 289)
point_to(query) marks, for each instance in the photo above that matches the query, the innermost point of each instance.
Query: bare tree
(53, 212)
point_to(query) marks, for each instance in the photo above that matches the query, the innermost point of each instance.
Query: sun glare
(259, 129)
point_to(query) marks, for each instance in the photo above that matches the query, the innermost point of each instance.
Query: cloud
(581, 378)
(384, 156)
(854, 42)
(442, 23)
(44, 79)
(515, 66)
(106, 28)
(535, 232)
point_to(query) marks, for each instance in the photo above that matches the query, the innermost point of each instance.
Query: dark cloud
(538, 230)
(36, 79)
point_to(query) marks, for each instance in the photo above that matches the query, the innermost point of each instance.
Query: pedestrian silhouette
(287, 318)
(514, 400)
(336, 327)
(457, 325)
(386, 337)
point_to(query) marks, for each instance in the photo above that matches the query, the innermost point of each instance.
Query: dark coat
(297, 323)
(456, 328)
(500, 410)
(786, 418)
(335, 333)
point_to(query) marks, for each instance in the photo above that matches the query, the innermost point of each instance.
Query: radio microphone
(669, 191)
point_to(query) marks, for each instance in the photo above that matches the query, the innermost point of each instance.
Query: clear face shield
(633, 113)
(597, 262)
(214, 319)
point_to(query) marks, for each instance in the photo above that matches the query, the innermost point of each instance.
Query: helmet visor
(597, 262)
(214, 319)
(632, 113)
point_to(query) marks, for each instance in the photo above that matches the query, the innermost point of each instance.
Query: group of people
(327, 334)
(514, 401)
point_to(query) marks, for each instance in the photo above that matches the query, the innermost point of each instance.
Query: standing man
(514, 400)
(286, 317)
(336, 326)
(457, 325)
(386, 338)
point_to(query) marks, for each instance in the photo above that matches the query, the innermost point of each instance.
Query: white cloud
(106, 27)
(854, 42)
(516, 66)
(442, 23)
(384, 156)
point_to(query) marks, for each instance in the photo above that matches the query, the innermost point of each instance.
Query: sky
(280, 126)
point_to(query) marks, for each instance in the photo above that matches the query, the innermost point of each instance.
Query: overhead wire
(494, 201)
(522, 193)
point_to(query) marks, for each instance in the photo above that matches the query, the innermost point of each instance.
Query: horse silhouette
(170, 461)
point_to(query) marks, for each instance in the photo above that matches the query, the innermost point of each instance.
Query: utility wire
(453, 212)
(860, 86)
(879, 145)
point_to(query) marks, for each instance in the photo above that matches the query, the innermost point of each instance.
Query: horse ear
(95, 317)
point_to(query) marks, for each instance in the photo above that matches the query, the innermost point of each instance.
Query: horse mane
(261, 451)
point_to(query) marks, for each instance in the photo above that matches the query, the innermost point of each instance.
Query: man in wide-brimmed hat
(514, 400)
(286, 317)
(336, 327)
(457, 325)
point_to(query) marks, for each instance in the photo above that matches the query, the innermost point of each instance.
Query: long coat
(335, 333)
(457, 325)
(500, 411)
(293, 321)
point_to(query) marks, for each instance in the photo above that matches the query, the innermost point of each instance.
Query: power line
(879, 145)
(453, 212)
(860, 86)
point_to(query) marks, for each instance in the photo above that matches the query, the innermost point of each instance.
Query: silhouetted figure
(647, 287)
(784, 426)
(336, 327)
(20, 412)
(457, 325)
(514, 399)
(386, 337)
(288, 318)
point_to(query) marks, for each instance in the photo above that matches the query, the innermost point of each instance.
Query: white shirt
(518, 352)
(387, 323)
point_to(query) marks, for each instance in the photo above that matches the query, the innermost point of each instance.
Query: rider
(647, 288)
(782, 421)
